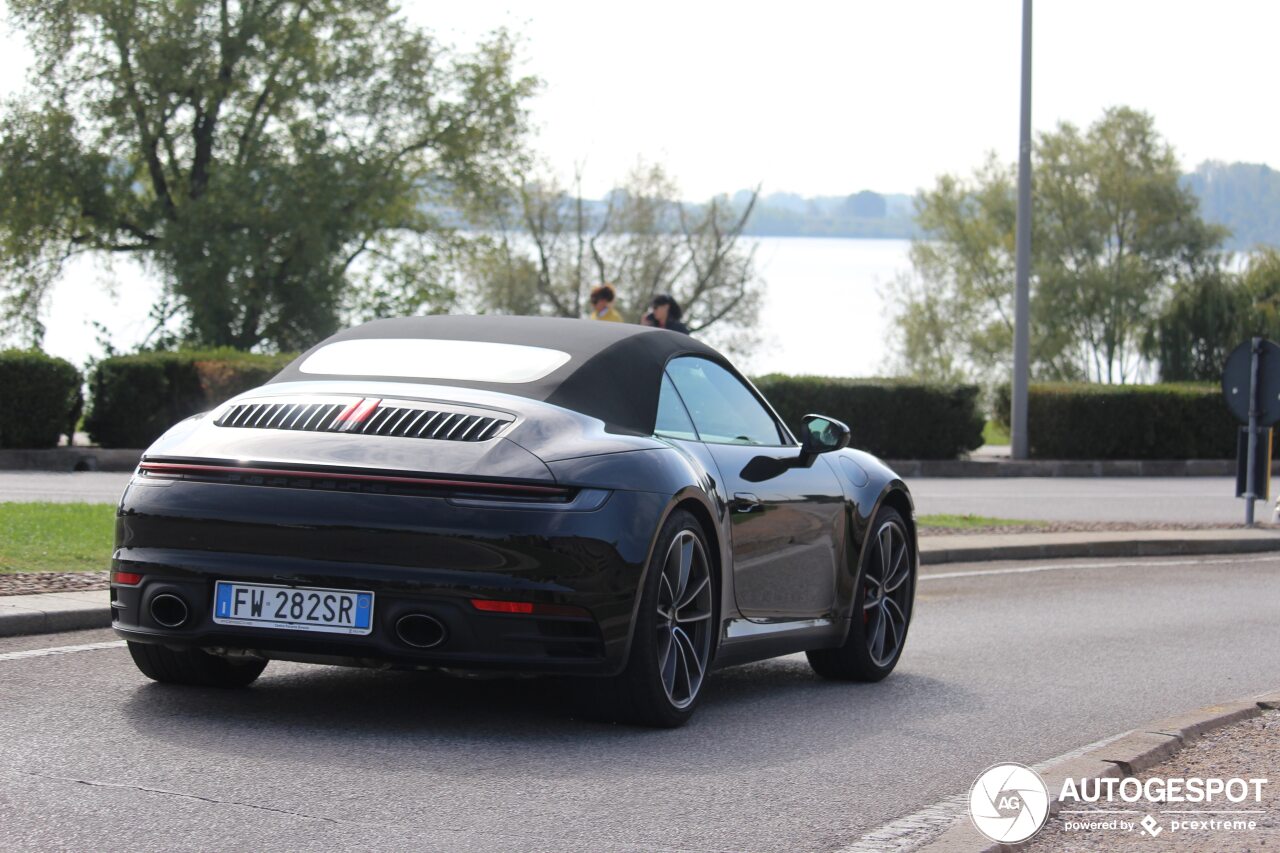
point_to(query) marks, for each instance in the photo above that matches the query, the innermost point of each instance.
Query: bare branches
(149, 142)
(641, 239)
(538, 215)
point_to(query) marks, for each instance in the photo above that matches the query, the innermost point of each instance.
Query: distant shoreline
(904, 234)
(775, 235)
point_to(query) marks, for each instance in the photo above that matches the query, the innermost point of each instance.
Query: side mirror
(821, 434)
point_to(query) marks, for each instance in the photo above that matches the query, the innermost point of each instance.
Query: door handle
(745, 502)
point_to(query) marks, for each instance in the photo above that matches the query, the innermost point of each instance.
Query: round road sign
(1235, 382)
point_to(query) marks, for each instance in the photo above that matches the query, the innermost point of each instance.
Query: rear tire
(193, 667)
(883, 600)
(674, 634)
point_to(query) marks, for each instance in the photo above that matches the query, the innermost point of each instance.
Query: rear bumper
(472, 640)
(416, 554)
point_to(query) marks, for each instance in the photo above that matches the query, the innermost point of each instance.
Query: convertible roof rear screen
(459, 361)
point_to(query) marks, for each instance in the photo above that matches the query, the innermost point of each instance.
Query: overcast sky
(830, 98)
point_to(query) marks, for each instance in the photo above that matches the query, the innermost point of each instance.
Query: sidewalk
(51, 612)
(1245, 749)
(1222, 741)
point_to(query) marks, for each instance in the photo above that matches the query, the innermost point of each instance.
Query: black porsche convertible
(512, 494)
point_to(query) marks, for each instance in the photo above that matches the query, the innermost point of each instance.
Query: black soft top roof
(614, 371)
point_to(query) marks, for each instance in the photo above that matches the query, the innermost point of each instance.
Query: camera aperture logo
(1009, 803)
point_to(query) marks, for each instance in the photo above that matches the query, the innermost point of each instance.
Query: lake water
(823, 312)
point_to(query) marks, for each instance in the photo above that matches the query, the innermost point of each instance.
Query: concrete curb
(934, 551)
(53, 612)
(1132, 753)
(907, 468)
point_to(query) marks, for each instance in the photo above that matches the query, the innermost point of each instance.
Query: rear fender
(717, 542)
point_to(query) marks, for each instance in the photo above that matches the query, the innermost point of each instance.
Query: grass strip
(56, 537)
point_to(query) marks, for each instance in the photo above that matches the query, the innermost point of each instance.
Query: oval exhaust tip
(420, 631)
(169, 610)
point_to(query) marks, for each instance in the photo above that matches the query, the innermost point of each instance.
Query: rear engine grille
(367, 417)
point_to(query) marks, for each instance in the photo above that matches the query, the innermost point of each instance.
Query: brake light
(126, 578)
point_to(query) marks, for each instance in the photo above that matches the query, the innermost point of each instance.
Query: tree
(955, 314)
(550, 246)
(1113, 232)
(259, 156)
(1209, 315)
(1198, 327)
(1260, 281)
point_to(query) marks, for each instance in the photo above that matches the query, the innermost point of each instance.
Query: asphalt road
(91, 486)
(1002, 664)
(1183, 499)
(1196, 499)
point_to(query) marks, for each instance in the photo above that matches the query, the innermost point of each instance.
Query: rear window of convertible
(414, 358)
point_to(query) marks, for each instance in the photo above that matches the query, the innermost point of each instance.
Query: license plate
(293, 608)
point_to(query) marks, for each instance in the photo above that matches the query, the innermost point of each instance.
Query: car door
(785, 516)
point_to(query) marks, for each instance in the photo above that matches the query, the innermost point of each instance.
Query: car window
(723, 409)
(423, 358)
(673, 417)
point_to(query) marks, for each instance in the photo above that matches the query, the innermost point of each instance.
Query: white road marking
(917, 829)
(61, 650)
(1149, 562)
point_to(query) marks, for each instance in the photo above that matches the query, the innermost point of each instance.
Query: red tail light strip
(428, 482)
(126, 578)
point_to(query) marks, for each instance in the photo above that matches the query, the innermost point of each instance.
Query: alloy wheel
(684, 619)
(886, 593)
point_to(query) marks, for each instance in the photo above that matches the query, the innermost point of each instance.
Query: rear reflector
(502, 606)
(126, 578)
(527, 608)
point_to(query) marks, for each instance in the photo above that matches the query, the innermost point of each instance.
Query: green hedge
(893, 419)
(40, 398)
(1087, 421)
(135, 398)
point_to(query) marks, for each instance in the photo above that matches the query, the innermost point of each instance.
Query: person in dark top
(665, 313)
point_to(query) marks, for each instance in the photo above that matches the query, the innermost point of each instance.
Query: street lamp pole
(1022, 284)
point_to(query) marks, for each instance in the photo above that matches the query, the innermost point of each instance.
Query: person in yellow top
(602, 304)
